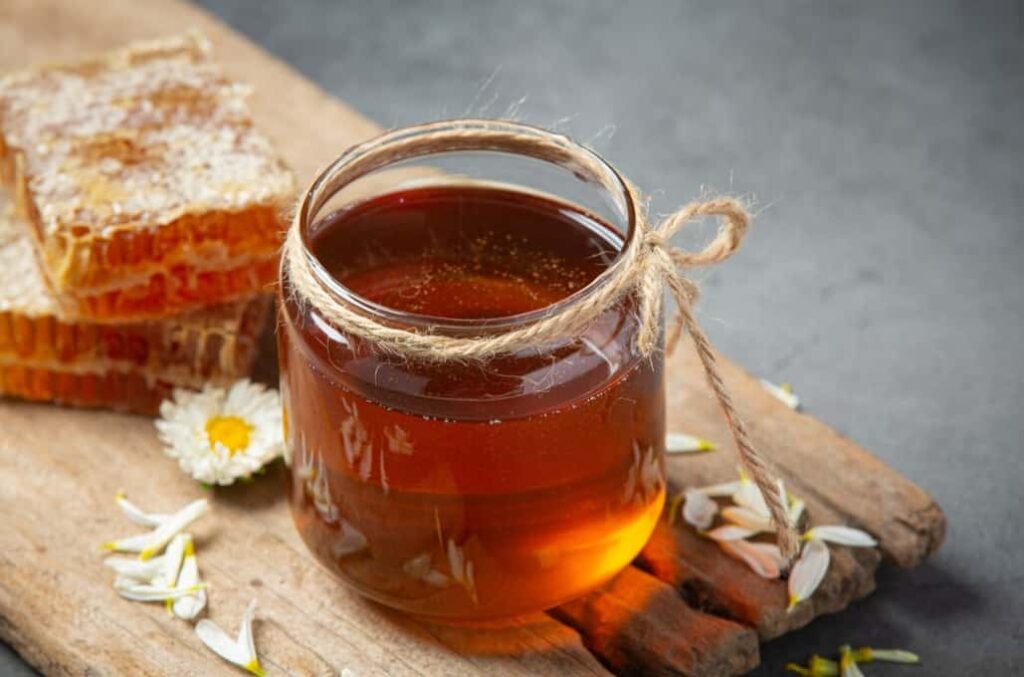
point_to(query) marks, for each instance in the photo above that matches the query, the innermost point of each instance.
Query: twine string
(647, 264)
(668, 260)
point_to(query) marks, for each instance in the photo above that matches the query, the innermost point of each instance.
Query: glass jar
(469, 490)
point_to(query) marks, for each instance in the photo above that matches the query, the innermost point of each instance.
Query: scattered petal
(808, 571)
(132, 568)
(150, 543)
(240, 651)
(345, 672)
(866, 654)
(729, 532)
(783, 393)
(219, 436)
(841, 536)
(818, 667)
(747, 518)
(698, 510)
(847, 664)
(167, 576)
(681, 443)
(750, 497)
(721, 490)
(456, 563)
(145, 592)
(189, 606)
(764, 559)
(136, 515)
(796, 509)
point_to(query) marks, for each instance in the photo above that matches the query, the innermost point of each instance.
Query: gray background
(883, 142)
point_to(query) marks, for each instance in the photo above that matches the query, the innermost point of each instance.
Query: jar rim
(364, 158)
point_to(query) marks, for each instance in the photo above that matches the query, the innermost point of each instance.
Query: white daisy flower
(681, 443)
(783, 393)
(152, 542)
(218, 436)
(699, 510)
(240, 651)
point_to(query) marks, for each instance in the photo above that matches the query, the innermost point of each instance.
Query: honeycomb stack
(140, 221)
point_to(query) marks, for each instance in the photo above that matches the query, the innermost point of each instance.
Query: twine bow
(645, 266)
(662, 268)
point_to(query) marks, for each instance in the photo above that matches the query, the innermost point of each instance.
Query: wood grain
(690, 611)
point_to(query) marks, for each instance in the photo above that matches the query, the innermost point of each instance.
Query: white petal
(847, 665)
(681, 443)
(218, 641)
(188, 607)
(796, 509)
(747, 518)
(151, 543)
(888, 655)
(749, 496)
(143, 592)
(345, 672)
(418, 566)
(698, 510)
(132, 512)
(470, 582)
(352, 540)
(240, 651)
(178, 521)
(720, 490)
(842, 536)
(168, 574)
(455, 562)
(808, 571)
(131, 567)
(729, 532)
(782, 393)
(760, 557)
(245, 637)
(436, 579)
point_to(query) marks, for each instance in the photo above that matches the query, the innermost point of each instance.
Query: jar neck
(463, 136)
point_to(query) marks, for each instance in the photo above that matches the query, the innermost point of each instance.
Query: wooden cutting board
(683, 608)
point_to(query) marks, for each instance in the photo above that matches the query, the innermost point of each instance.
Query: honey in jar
(469, 490)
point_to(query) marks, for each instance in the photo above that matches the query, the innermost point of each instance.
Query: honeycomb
(148, 188)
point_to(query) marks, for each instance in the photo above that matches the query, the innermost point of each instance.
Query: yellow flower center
(231, 431)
